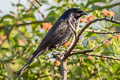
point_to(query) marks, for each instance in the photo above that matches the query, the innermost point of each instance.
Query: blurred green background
(19, 40)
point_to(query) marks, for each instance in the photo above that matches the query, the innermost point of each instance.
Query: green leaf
(8, 16)
(89, 34)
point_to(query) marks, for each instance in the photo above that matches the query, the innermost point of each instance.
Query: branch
(64, 69)
(103, 56)
(91, 50)
(38, 8)
(23, 24)
(57, 57)
(103, 7)
(101, 32)
(38, 2)
(83, 29)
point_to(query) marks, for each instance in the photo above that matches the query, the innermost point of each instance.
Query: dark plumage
(58, 35)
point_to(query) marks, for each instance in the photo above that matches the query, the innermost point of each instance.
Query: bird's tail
(35, 54)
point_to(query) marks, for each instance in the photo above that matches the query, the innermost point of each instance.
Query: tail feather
(35, 54)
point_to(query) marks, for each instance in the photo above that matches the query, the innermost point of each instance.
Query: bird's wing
(55, 33)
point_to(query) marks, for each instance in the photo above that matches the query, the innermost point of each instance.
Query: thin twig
(57, 57)
(100, 32)
(91, 50)
(103, 7)
(23, 24)
(38, 2)
(38, 8)
(103, 56)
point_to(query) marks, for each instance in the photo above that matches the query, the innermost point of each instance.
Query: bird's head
(76, 12)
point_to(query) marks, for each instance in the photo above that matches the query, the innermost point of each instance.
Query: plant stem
(64, 70)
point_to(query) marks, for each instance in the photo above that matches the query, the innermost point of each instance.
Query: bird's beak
(84, 13)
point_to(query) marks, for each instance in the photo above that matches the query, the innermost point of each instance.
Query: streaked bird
(58, 35)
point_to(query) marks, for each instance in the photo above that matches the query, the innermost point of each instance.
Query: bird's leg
(57, 56)
(60, 53)
(57, 52)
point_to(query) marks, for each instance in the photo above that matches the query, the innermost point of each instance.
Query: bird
(58, 35)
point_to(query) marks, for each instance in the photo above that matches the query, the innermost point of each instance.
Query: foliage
(19, 40)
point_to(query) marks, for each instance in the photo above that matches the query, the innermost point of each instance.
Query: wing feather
(55, 33)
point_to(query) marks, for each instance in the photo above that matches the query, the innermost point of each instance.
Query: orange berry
(108, 43)
(90, 18)
(118, 36)
(105, 12)
(112, 14)
(3, 37)
(89, 57)
(49, 26)
(57, 63)
(108, 13)
(82, 19)
(46, 26)
(1, 42)
(20, 41)
(67, 44)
